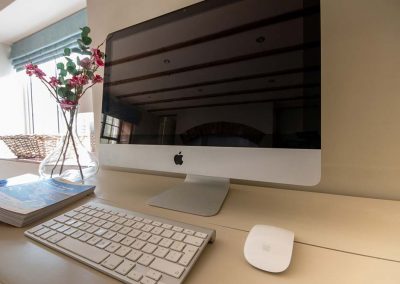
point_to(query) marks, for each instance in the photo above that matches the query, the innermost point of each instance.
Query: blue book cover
(25, 198)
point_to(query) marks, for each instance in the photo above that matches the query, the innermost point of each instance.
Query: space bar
(82, 249)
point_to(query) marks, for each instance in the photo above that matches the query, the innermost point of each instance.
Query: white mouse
(269, 248)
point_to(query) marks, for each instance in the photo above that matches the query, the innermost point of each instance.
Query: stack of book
(26, 198)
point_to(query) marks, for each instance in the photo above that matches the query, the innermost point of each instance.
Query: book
(26, 198)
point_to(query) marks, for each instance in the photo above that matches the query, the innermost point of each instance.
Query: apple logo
(178, 159)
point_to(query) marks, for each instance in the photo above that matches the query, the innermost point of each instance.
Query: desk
(338, 239)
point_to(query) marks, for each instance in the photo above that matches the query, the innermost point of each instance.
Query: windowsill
(33, 161)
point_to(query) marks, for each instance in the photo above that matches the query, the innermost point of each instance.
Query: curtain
(48, 43)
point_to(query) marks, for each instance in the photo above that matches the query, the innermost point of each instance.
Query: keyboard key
(82, 249)
(154, 239)
(178, 246)
(49, 223)
(129, 223)
(177, 229)
(100, 232)
(125, 267)
(125, 230)
(120, 220)
(167, 267)
(109, 235)
(123, 251)
(108, 225)
(70, 231)
(112, 261)
(173, 256)
(61, 219)
(37, 228)
(188, 232)
(92, 229)
(48, 234)
(77, 224)
(118, 237)
(55, 226)
(79, 216)
(146, 280)
(94, 240)
(153, 274)
(85, 237)
(113, 247)
(41, 231)
(166, 242)
(134, 255)
(157, 230)
(105, 216)
(100, 223)
(200, 235)
(190, 249)
(145, 259)
(77, 234)
(113, 218)
(138, 244)
(149, 248)
(135, 275)
(186, 258)
(70, 222)
(156, 223)
(147, 221)
(144, 236)
(178, 236)
(147, 228)
(116, 227)
(138, 219)
(134, 233)
(193, 240)
(167, 233)
(84, 227)
(57, 237)
(103, 244)
(161, 252)
(127, 241)
(63, 228)
(98, 214)
(138, 225)
(166, 226)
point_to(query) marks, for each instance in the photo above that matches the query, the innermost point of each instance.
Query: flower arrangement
(71, 82)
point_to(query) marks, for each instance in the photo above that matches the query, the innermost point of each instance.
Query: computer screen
(228, 89)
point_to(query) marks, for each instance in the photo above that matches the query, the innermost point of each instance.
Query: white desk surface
(338, 239)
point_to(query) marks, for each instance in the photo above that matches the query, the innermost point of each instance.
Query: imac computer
(219, 90)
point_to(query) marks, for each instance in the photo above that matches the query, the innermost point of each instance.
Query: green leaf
(76, 50)
(78, 60)
(62, 80)
(67, 51)
(61, 91)
(86, 52)
(70, 63)
(60, 66)
(89, 74)
(70, 95)
(63, 72)
(82, 44)
(86, 40)
(85, 31)
(71, 70)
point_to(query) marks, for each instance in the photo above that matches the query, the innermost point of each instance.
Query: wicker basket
(30, 146)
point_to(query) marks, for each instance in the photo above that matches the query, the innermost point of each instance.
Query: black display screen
(217, 73)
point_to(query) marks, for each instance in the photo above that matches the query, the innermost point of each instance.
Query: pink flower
(33, 69)
(67, 104)
(97, 79)
(98, 56)
(78, 80)
(85, 63)
(54, 81)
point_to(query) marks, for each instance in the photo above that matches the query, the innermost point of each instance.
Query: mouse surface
(269, 248)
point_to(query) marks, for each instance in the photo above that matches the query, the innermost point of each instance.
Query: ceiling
(261, 55)
(21, 18)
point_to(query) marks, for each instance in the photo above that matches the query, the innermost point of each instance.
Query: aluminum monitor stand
(198, 195)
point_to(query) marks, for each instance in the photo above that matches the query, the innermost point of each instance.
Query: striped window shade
(48, 43)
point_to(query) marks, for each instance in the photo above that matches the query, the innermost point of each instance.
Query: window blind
(48, 43)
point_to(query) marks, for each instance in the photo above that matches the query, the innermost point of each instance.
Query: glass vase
(70, 159)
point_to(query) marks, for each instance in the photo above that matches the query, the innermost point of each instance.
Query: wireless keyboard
(129, 246)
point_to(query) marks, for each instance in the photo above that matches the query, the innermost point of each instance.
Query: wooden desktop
(338, 239)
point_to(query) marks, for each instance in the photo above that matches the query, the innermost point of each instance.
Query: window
(114, 130)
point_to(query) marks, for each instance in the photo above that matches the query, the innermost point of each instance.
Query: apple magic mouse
(269, 248)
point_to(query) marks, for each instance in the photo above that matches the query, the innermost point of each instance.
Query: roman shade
(48, 43)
